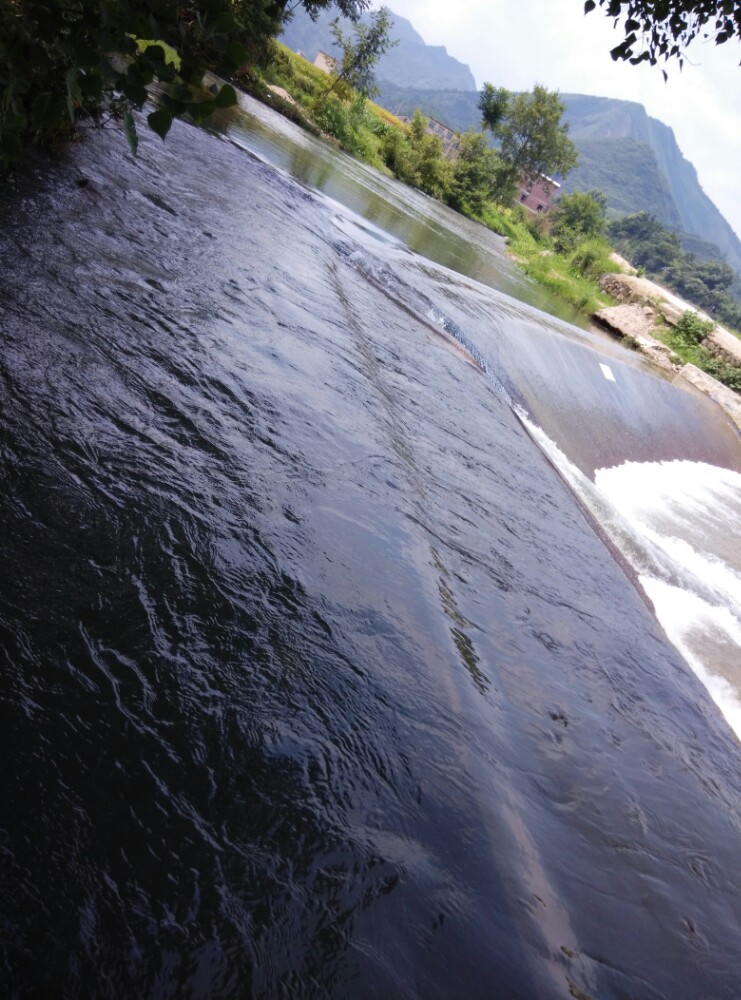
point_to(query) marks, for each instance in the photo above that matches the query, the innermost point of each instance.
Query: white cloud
(516, 44)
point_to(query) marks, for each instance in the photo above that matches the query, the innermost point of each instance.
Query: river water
(364, 630)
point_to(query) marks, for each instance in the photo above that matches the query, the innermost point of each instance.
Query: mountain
(411, 63)
(633, 158)
(636, 161)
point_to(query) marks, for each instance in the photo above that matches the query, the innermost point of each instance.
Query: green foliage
(361, 53)
(727, 373)
(591, 259)
(417, 158)
(493, 103)
(350, 123)
(577, 217)
(647, 244)
(556, 272)
(66, 61)
(656, 29)
(532, 137)
(434, 171)
(686, 338)
(397, 154)
(692, 329)
(476, 172)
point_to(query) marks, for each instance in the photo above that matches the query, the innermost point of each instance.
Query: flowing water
(330, 666)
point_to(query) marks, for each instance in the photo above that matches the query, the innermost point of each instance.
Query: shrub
(332, 117)
(724, 371)
(397, 155)
(691, 329)
(592, 259)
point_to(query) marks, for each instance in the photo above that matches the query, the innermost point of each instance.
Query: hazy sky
(516, 43)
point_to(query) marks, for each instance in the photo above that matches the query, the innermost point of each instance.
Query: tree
(645, 242)
(359, 56)
(63, 61)
(578, 217)
(475, 174)
(532, 138)
(493, 103)
(433, 173)
(659, 29)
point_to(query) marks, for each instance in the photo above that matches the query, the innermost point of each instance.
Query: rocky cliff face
(636, 161)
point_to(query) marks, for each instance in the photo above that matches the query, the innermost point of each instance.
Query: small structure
(326, 63)
(536, 195)
(450, 139)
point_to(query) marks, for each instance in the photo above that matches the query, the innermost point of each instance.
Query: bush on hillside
(691, 329)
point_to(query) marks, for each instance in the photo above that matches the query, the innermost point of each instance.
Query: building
(537, 195)
(326, 63)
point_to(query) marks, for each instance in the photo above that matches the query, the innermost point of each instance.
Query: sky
(517, 43)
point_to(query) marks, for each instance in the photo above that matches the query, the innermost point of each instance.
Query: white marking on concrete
(607, 372)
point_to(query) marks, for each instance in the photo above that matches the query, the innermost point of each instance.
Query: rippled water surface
(319, 678)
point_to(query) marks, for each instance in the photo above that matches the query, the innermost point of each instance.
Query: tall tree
(532, 137)
(661, 30)
(493, 103)
(475, 174)
(361, 53)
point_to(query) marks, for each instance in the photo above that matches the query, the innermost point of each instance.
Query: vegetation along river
(365, 630)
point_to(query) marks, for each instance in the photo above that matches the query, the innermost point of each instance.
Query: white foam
(689, 511)
(683, 614)
(678, 524)
(673, 489)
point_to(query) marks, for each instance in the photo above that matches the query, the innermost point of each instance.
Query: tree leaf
(130, 132)
(200, 110)
(174, 106)
(589, 6)
(74, 94)
(236, 55)
(226, 97)
(160, 122)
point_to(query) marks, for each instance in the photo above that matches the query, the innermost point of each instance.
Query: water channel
(366, 626)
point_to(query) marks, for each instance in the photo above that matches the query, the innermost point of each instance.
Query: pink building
(536, 195)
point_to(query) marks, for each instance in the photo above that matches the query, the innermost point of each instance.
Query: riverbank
(584, 277)
(676, 337)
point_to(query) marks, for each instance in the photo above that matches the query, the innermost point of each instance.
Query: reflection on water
(421, 223)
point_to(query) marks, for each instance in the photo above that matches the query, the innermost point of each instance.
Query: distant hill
(411, 63)
(633, 158)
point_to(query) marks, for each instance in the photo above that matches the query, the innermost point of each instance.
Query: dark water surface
(316, 679)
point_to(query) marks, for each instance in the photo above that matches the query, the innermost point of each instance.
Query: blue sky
(516, 43)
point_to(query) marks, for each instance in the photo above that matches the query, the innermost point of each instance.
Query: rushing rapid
(330, 665)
